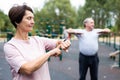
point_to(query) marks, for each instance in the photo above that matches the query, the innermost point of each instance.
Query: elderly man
(88, 47)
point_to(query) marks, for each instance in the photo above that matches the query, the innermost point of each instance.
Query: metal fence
(112, 40)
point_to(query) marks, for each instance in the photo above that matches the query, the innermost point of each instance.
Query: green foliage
(4, 22)
(95, 9)
(114, 29)
(101, 10)
(66, 15)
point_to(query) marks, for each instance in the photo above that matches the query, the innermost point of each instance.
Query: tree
(96, 9)
(66, 14)
(4, 22)
(116, 11)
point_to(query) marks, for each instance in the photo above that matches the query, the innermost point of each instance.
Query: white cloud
(5, 5)
(77, 3)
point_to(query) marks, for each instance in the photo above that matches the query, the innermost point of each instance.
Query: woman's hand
(55, 52)
(65, 45)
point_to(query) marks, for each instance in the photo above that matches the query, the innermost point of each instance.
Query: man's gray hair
(87, 20)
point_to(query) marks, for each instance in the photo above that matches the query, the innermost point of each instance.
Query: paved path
(4, 67)
(67, 69)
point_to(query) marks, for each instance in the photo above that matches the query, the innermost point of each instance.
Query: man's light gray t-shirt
(88, 41)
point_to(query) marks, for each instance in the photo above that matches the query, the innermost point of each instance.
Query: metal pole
(103, 38)
(109, 39)
(114, 41)
(119, 48)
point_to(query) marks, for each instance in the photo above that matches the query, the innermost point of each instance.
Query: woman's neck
(21, 35)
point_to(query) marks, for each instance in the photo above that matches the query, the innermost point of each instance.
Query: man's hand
(70, 31)
(73, 31)
(106, 30)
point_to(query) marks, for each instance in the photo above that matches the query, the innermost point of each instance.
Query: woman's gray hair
(87, 20)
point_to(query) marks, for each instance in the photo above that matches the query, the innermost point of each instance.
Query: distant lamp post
(93, 13)
(57, 11)
(48, 29)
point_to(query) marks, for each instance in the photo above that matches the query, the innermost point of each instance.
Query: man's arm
(73, 31)
(106, 30)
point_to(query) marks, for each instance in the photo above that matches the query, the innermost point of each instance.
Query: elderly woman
(25, 54)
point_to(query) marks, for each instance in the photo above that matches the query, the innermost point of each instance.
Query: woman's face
(27, 22)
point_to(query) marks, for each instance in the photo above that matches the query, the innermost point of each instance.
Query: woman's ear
(16, 23)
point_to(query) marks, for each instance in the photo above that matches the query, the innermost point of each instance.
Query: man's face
(90, 24)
